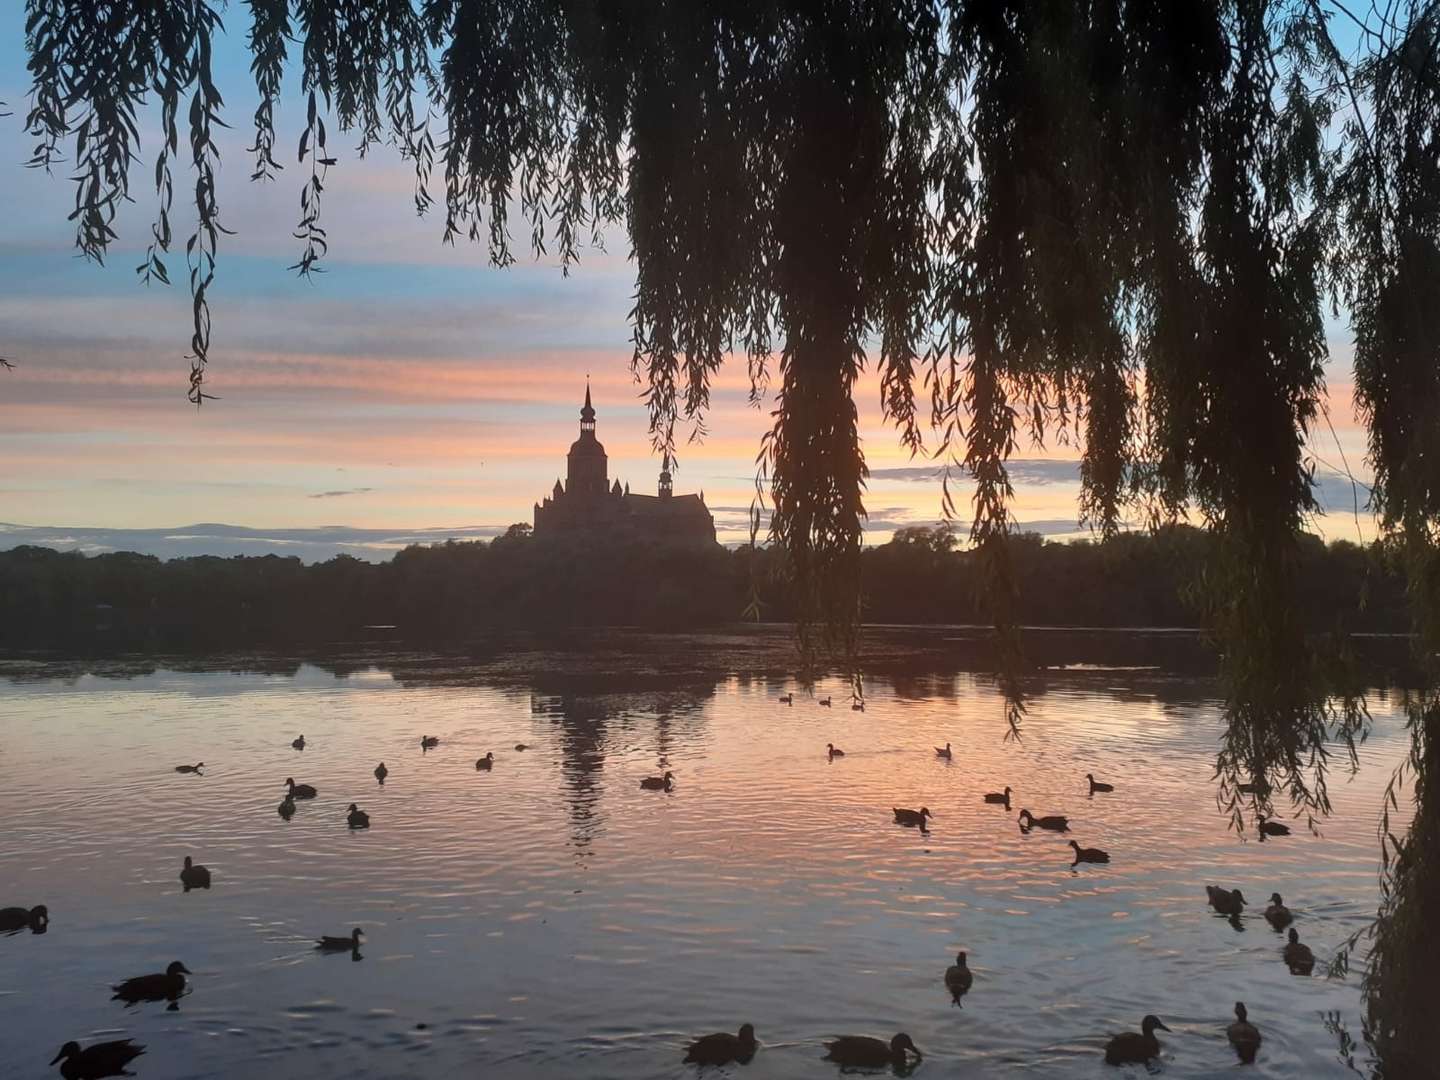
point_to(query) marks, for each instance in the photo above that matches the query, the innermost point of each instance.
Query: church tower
(586, 468)
(667, 487)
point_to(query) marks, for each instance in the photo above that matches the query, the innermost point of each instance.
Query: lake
(550, 918)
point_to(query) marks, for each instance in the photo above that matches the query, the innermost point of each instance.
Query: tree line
(446, 593)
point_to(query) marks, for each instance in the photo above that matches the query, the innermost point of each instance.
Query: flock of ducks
(850, 1051)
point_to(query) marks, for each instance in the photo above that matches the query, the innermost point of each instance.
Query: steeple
(666, 487)
(587, 413)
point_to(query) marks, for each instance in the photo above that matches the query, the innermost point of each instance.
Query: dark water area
(549, 918)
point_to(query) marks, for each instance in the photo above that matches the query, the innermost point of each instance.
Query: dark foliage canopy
(1116, 222)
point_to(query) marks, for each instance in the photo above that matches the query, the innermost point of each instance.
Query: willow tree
(1116, 222)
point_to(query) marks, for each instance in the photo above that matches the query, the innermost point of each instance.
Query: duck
(287, 808)
(1001, 797)
(1088, 854)
(945, 753)
(825, 701)
(857, 706)
(721, 1048)
(1255, 787)
(300, 791)
(190, 768)
(1095, 785)
(958, 976)
(326, 943)
(1136, 1047)
(381, 772)
(429, 742)
(522, 747)
(862, 1051)
(357, 818)
(1226, 901)
(166, 986)
(13, 919)
(194, 876)
(658, 783)
(1053, 822)
(1243, 1035)
(1277, 914)
(913, 818)
(299, 743)
(787, 699)
(833, 750)
(1272, 828)
(1298, 957)
(485, 762)
(98, 1060)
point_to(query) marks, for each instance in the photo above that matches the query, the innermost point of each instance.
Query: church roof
(675, 505)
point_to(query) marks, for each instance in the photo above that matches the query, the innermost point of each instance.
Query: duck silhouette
(945, 753)
(1095, 785)
(1226, 901)
(194, 876)
(1088, 854)
(833, 751)
(97, 1061)
(1053, 822)
(865, 1052)
(1243, 1035)
(300, 791)
(381, 772)
(658, 783)
(1001, 798)
(299, 744)
(721, 1048)
(1298, 957)
(357, 818)
(958, 977)
(287, 808)
(911, 818)
(326, 943)
(429, 742)
(1277, 914)
(1272, 828)
(787, 699)
(485, 763)
(825, 701)
(1135, 1047)
(15, 919)
(190, 768)
(162, 986)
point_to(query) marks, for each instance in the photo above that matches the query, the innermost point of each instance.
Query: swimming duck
(722, 1048)
(825, 701)
(1095, 785)
(485, 762)
(1272, 828)
(1001, 797)
(1243, 1035)
(857, 706)
(194, 876)
(300, 791)
(658, 783)
(339, 944)
(299, 744)
(17, 918)
(833, 750)
(429, 742)
(190, 768)
(381, 772)
(357, 818)
(912, 818)
(1226, 901)
(1135, 1046)
(1257, 787)
(958, 976)
(1277, 914)
(787, 699)
(1088, 854)
(1053, 822)
(861, 1051)
(287, 808)
(946, 754)
(522, 746)
(1298, 957)
(166, 986)
(100, 1060)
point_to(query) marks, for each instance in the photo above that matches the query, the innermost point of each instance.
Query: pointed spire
(587, 414)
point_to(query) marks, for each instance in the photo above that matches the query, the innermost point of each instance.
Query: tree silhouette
(1114, 221)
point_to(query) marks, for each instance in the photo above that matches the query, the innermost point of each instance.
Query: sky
(411, 392)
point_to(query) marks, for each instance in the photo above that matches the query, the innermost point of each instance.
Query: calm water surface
(551, 919)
